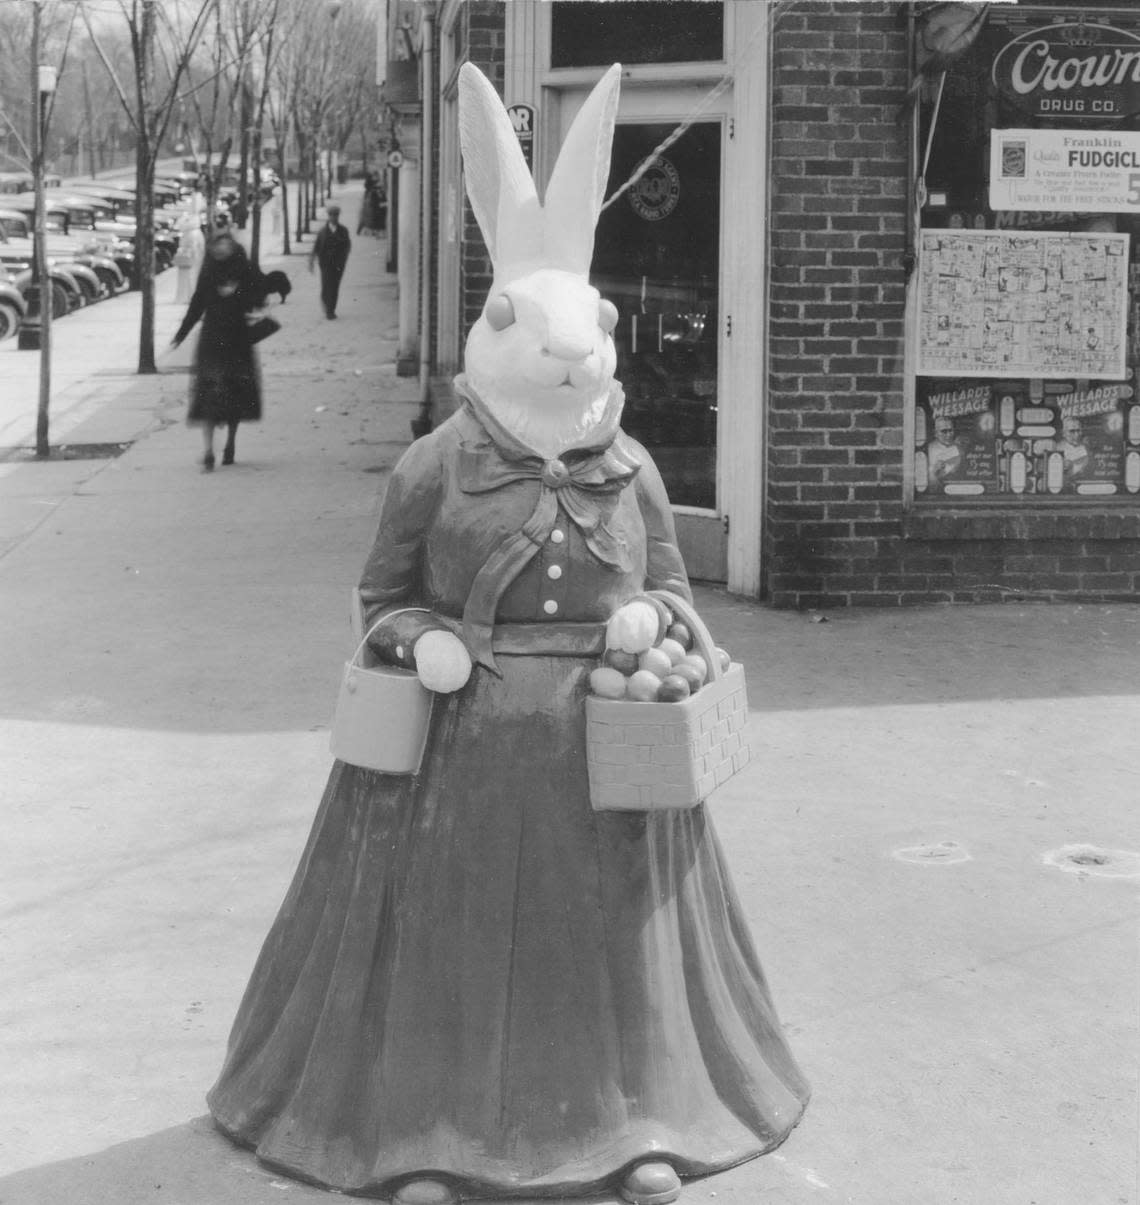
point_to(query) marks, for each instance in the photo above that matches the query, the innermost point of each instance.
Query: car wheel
(60, 302)
(90, 293)
(9, 320)
(108, 280)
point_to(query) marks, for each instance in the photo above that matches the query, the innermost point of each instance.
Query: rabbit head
(541, 355)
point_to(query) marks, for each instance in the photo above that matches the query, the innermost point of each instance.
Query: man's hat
(333, 210)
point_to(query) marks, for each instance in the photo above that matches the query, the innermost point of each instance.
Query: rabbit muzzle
(541, 336)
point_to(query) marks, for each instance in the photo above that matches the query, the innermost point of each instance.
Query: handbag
(261, 328)
(645, 757)
(383, 712)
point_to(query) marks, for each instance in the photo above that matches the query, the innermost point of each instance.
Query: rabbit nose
(569, 348)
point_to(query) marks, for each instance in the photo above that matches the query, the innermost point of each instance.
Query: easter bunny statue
(479, 986)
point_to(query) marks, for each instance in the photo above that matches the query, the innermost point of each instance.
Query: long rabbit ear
(577, 185)
(498, 180)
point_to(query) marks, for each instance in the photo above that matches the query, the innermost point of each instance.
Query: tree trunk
(302, 185)
(243, 156)
(255, 203)
(144, 181)
(281, 160)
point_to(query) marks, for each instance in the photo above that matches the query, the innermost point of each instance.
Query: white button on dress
(550, 606)
(557, 536)
(555, 572)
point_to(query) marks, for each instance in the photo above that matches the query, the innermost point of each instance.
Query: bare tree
(316, 81)
(149, 107)
(355, 109)
(260, 28)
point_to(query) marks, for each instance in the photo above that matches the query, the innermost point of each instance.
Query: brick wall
(837, 230)
(836, 532)
(486, 42)
(480, 39)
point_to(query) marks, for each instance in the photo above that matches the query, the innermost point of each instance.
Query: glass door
(657, 254)
(681, 252)
(656, 257)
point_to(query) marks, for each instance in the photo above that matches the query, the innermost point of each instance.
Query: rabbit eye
(499, 312)
(607, 316)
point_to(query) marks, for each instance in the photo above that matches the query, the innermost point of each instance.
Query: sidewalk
(966, 1011)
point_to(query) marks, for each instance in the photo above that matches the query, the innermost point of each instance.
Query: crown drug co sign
(1071, 69)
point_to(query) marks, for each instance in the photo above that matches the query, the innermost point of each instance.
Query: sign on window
(1079, 171)
(996, 303)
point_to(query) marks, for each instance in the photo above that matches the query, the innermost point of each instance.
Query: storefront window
(656, 258)
(589, 34)
(1028, 274)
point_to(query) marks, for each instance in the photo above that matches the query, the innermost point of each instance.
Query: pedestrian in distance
(330, 251)
(227, 384)
(371, 206)
(364, 222)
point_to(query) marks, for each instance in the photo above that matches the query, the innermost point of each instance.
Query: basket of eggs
(664, 726)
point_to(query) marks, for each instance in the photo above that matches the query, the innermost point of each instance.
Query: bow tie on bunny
(585, 482)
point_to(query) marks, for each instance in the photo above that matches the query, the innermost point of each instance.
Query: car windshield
(13, 228)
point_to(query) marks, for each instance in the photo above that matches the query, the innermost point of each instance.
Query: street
(936, 844)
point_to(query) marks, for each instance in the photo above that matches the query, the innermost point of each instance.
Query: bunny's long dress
(473, 975)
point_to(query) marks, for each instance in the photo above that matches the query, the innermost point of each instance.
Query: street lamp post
(37, 334)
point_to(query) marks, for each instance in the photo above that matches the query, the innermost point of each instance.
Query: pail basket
(383, 713)
(645, 757)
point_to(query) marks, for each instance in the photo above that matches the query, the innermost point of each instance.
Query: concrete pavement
(965, 1007)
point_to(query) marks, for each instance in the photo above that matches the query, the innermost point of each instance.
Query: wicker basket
(645, 757)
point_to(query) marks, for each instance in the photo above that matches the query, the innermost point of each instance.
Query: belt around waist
(549, 639)
(543, 639)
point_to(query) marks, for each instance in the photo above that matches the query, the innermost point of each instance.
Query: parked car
(12, 306)
(65, 292)
(15, 181)
(121, 200)
(88, 218)
(121, 205)
(81, 247)
(165, 192)
(16, 248)
(185, 182)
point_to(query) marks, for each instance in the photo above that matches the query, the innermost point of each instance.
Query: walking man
(330, 250)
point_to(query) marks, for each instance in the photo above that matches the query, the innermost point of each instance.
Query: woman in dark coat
(227, 383)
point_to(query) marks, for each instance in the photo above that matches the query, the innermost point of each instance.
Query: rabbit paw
(634, 627)
(442, 662)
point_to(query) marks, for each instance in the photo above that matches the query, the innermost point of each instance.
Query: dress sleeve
(254, 289)
(194, 311)
(664, 569)
(393, 574)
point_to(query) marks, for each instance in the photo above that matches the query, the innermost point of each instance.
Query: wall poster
(997, 303)
(1026, 438)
